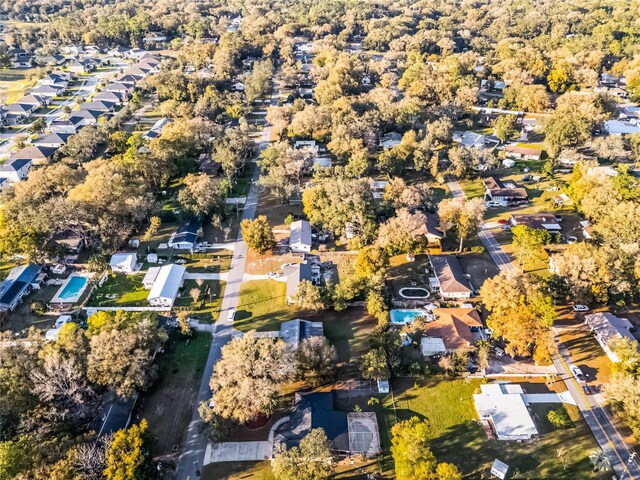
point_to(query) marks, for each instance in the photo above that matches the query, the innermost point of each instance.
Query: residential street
(498, 255)
(192, 458)
(606, 434)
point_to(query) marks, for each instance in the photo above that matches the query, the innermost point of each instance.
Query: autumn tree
(411, 454)
(505, 127)
(463, 216)
(528, 243)
(374, 366)
(201, 195)
(316, 361)
(258, 234)
(521, 313)
(311, 460)
(129, 454)
(248, 376)
(371, 260)
(402, 233)
(309, 297)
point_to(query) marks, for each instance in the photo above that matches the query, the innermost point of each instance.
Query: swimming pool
(401, 316)
(71, 290)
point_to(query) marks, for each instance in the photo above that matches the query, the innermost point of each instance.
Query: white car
(493, 203)
(273, 275)
(232, 315)
(580, 308)
(577, 373)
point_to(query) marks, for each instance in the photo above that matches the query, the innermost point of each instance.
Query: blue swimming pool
(402, 316)
(73, 288)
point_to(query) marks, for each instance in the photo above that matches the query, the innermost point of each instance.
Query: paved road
(498, 255)
(195, 446)
(606, 434)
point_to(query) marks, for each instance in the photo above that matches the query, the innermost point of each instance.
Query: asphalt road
(498, 255)
(191, 460)
(606, 434)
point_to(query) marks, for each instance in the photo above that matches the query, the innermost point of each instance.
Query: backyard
(208, 302)
(168, 405)
(120, 290)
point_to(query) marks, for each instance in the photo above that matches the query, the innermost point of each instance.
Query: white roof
(52, 334)
(508, 411)
(62, 319)
(432, 346)
(300, 233)
(151, 275)
(608, 326)
(123, 260)
(620, 127)
(167, 282)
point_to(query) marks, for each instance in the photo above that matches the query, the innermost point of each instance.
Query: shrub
(560, 418)
(37, 307)
(288, 220)
(478, 249)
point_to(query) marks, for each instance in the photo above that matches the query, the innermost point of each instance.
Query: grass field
(120, 290)
(262, 306)
(15, 82)
(207, 308)
(169, 404)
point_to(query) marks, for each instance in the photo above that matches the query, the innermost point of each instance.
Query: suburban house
(71, 241)
(127, 80)
(588, 231)
(606, 327)
(469, 139)
(37, 154)
(522, 153)
(17, 113)
(295, 274)
(48, 91)
(430, 229)
(124, 262)
(15, 170)
(165, 286)
(63, 126)
(117, 87)
(20, 281)
(59, 80)
(35, 100)
(300, 237)
(293, 332)
(454, 329)
(621, 127)
(449, 281)
(390, 140)
(538, 221)
(98, 106)
(84, 118)
(507, 194)
(350, 432)
(206, 164)
(156, 130)
(503, 407)
(378, 187)
(51, 140)
(185, 237)
(50, 60)
(22, 60)
(115, 98)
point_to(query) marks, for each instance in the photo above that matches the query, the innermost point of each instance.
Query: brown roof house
(505, 194)
(452, 330)
(522, 153)
(430, 229)
(538, 221)
(449, 279)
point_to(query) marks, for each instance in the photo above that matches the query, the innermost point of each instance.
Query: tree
(411, 454)
(309, 297)
(311, 460)
(402, 233)
(81, 147)
(528, 242)
(194, 293)
(258, 234)
(316, 361)
(152, 229)
(201, 195)
(462, 215)
(16, 456)
(521, 313)
(377, 306)
(483, 350)
(129, 454)
(600, 461)
(38, 125)
(505, 127)
(374, 366)
(247, 378)
(371, 260)
(560, 418)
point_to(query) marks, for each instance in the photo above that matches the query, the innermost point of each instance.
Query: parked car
(493, 203)
(577, 373)
(274, 274)
(587, 390)
(502, 221)
(506, 228)
(232, 315)
(580, 308)
(558, 218)
(181, 261)
(498, 351)
(199, 250)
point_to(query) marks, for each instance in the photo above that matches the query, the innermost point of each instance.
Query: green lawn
(120, 290)
(169, 403)
(262, 306)
(207, 308)
(472, 188)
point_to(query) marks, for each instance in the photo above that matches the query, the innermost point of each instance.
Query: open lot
(168, 405)
(14, 83)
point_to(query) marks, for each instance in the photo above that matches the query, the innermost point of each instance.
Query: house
(124, 262)
(50, 60)
(82, 66)
(34, 100)
(114, 98)
(506, 194)
(128, 80)
(300, 237)
(378, 187)
(35, 153)
(56, 79)
(118, 87)
(351, 433)
(607, 327)
(63, 127)
(588, 231)
(71, 241)
(17, 113)
(293, 332)
(151, 275)
(206, 164)
(620, 127)
(522, 153)
(15, 170)
(166, 285)
(454, 329)
(503, 406)
(98, 106)
(20, 281)
(429, 229)
(450, 280)
(538, 221)
(117, 51)
(135, 53)
(51, 140)
(295, 274)
(469, 139)
(72, 49)
(156, 130)
(84, 118)
(562, 199)
(22, 60)
(186, 235)
(602, 171)
(47, 91)
(390, 140)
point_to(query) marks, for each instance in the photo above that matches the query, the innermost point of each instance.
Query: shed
(123, 262)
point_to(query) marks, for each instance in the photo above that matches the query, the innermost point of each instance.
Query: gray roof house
(295, 274)
(15, 170)
(98, 106)
(294, 332)
(166, 286)
(18, 283)
(607, 327)
(450, 280)
(37, 154)
(185, 237)
(51, 140)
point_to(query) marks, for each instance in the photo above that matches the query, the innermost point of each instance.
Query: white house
(166, 285)
(607, 327)
(619, 127)
(123, 262)
(15, 170)
(300, 238)
(503, 406)
(449, 279)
